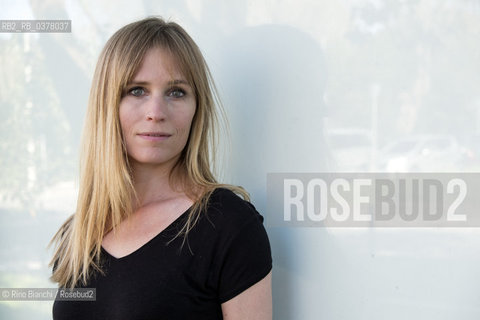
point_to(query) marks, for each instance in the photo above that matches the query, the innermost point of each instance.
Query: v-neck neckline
(148, 243)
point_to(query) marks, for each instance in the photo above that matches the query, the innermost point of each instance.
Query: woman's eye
(176, 93)
(137, 91)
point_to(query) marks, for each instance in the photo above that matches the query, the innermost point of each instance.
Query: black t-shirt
(227, 252)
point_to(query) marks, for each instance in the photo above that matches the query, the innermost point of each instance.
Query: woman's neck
(154, 183)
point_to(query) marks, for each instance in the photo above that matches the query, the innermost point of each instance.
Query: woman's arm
(255, 303)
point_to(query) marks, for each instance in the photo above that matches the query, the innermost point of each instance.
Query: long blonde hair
(106, 193)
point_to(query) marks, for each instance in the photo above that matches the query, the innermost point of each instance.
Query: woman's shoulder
(227, 208)
(227, 199)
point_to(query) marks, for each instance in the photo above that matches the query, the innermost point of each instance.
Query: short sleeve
(245, 259)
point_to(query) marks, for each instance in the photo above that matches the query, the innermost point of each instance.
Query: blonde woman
(154, 232)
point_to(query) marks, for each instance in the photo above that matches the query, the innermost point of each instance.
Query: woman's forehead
(159, 62)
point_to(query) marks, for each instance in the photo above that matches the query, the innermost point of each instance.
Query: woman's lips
(154, 136)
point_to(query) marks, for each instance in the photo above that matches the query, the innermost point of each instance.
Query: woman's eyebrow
(178, 81)
(137, 83)
(170, 83)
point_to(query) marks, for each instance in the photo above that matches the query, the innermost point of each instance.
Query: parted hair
(106, 194)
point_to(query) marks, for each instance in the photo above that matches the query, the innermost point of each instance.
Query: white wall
(309, 86)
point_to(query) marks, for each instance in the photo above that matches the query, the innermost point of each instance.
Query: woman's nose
(156, 109)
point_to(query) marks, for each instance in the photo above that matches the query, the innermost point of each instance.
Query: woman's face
(156, 111)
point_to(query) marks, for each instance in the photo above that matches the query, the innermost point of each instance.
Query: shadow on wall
(271, 79)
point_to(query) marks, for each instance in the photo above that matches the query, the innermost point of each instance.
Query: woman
(154, 232)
